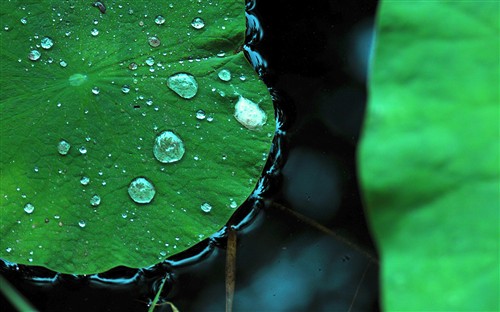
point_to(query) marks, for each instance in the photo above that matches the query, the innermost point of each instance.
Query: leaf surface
(102, 88)
(429, 156)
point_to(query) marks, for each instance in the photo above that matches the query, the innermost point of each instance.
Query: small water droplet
(132, 66)
(95, 200)
(125, 89)
(159, 20)
(200, 114)
(83, 150)
(206, 207)
(210, 118)
(249, 114)
(243, 78)
(29, 208)
(221, 54)
(141, 191)
(95, 90)
(124, 215)
(198, 23)
(150, 61)
(224, 75)
(183, 84)
(47, 43)
(163, 253)
(63, 147)
(8, 249)
(233, 204)
(168, 147)
(154, 41)
(94, 32)
(24, 21)
(34, 55)
(63, 64)
(81, 223)
(85, 180)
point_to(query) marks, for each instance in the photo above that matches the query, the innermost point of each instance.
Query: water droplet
(47, 43)
(85, 180)
(24, 21)
(249, 114)
(243, 78)
(83, 150)
(94, 32)
(233, 204)
(163, 253)
(141, 191)
(206, 207)
(198, 23)
(81, 223)
(63, 147)
(29, 208)
(124, 215)
(77, 79)
(200, 114)
(159, 20)
(95, 200)
(8, 249)
(154, 41)
(125, 89)
(34, 55)
(132, 66)
(150, 61)
(210, 118)
(224, 75)
(95, 90)
(168, 147)
(63, 63)
(183, 84)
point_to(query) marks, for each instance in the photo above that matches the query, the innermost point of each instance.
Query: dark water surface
(314, 56)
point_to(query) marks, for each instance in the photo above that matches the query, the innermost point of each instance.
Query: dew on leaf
(84, 180)
(132, 66)
(83, 150)
(29, 208)
(200, 114)
(94, 32)
(125, 89)
(63, 147)
(159, 20)
(81, 223)
(47, 43)
(95, 90)
(63, 63)
(95, 200)
(168, 147)
(154, 41)
(24, 21)
(233, 204)
(34, 55)
(249, 114)
(224, 75)
(183, 84)
(206, 207)
(198, 23)
(150, 61)
(141, 191)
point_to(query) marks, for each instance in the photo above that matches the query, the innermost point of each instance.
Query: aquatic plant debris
(120, 127)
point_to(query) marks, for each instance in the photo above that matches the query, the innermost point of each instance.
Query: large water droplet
(95, 200)
(141, 191)
(34, 55)
(63, 147)
(198, 23)
(224, 75)
(206, 207)
(168, 147)
(29, 208)
(249, 114)
(183, 84)
(159, 20)
(47, 43)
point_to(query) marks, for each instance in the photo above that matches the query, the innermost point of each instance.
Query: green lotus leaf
(130, 130)
(429, 156)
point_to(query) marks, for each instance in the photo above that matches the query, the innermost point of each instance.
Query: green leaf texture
(429, 156)
(102, 88)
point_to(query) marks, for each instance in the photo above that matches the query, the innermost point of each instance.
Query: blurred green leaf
(48, 100)
(429, 156)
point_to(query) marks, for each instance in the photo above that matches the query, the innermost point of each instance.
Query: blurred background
(314, 57)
